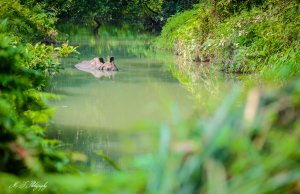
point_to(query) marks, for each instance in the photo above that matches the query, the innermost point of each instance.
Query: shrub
(28, 23)
(24, 69)
(237, 35)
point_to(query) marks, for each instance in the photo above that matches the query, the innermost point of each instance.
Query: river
(117, 114)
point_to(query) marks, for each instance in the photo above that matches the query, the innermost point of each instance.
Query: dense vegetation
(239, 36)
(249, 147)
(151, 14)
(246, 147)
(25, 65)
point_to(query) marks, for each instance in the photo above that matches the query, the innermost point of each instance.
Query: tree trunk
(96, 29)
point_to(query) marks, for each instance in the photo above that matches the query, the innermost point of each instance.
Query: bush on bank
(237, 36)
(25, 65)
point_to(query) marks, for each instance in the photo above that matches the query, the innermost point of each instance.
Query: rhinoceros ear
(111, 59)
(101, 60)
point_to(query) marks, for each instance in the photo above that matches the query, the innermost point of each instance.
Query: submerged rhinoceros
(98, 67)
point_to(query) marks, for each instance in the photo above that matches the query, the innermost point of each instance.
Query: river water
(118, 114)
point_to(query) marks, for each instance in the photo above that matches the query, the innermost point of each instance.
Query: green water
(118, 114)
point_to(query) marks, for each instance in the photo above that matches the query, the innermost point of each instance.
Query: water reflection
(99, 74)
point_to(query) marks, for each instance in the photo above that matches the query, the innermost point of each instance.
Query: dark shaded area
(147, 14)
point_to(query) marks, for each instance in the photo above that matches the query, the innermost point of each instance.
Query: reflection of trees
(114, 42)
(206, 84)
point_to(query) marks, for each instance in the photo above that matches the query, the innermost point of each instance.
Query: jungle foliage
(249, 147)
(25, 65)
(148, 14)
(249, 144)
(239, 36)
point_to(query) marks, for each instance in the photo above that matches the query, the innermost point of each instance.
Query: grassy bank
(237, 149)
(243, 37)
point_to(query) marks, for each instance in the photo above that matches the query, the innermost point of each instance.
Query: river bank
(239, 37)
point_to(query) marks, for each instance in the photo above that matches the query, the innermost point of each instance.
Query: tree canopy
(150, 14)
